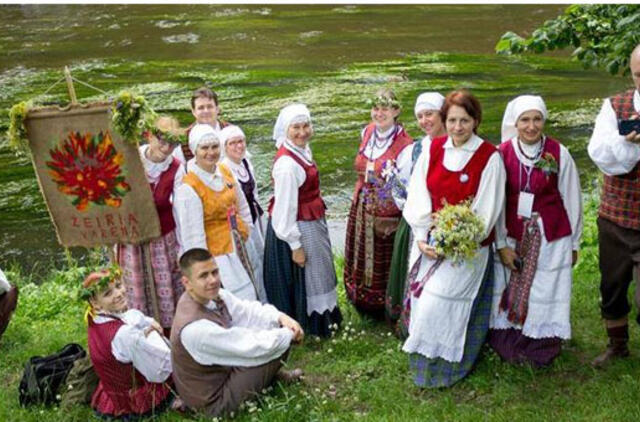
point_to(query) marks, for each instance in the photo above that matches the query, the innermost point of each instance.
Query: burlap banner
(93, 182)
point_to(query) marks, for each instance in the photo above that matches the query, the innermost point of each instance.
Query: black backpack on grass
(44, 375)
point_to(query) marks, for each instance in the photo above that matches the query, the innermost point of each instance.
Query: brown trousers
(8, 302)
(619, 262)
(245, 383)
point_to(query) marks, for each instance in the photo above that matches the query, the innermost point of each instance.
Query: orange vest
(216, 207)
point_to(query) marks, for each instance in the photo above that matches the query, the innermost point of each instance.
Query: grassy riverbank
(361, 373)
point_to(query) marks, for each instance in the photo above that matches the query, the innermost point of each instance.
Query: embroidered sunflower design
(88, 168)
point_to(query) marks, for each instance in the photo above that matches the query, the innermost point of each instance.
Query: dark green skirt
(396, 286)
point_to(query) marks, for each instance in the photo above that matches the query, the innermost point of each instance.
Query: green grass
(361, 373)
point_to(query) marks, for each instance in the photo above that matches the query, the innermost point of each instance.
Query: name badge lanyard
(526, 197)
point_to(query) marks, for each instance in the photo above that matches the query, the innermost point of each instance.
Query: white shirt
(254, 338)
(154, 170)
(240, 172)
(150, 355)
(288, 176)
(486, 204)
(188, 211)
(568, 185)
(607, 148)
(4, 283)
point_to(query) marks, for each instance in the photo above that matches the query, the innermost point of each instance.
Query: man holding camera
(615, 148)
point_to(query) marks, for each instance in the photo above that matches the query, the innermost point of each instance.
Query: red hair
(466, 100)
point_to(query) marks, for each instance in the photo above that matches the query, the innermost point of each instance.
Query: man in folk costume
(129, 354)
(617, 157)
(224, 349)
(8, 302)
(205, 109)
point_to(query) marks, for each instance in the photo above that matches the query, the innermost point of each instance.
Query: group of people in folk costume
(279, 280)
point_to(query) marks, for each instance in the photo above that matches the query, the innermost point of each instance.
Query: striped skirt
(437, 372)
(286, 284)
(152, 277)
(367, 259)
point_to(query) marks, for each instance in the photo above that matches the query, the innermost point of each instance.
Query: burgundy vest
(445, 185)
(387, 207)
(547, 200)
(127, 391)
(162, 197)
(620, 199)
(310, 204)
(200, 386)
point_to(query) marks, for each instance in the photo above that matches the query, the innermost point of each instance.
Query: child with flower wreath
(129, 354)
(374, 216)
(150, 270)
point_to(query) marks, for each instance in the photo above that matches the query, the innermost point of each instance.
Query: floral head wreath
(383, 101)
(166, 136)
(99, 280)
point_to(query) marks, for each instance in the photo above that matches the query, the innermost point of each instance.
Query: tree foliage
(602, 35)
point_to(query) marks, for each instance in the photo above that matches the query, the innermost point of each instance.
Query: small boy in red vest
(617, 156)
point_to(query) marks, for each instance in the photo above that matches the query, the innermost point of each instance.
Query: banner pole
(70, 88)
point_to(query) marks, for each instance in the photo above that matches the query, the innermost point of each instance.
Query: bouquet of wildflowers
(457, 232)
(394, 183)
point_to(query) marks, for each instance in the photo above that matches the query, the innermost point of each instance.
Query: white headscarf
(201, 134)
(228, 132)
(515, 108)
(428, 101)
(293, 113)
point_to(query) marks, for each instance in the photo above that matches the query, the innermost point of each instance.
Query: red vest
(620, 199)
(161, 196)
(122, 390)
(547, 201)
(445, 185)
(384, 208)
(310, 204)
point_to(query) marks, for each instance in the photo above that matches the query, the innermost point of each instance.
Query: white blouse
(188, 211)
(150, 355)
(568, 185)
(154, 170)
(487, 203)
(241, 173)
(254, 338)
(609, 150)
(4, 283)
(288, 176)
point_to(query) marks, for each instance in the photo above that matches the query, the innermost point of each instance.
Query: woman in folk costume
(150, 270)
(450, 303)
(374, 216)
(537, 236)
(129, 354)
(427, 111)
(212, 213)
(236, 158)
(299, 275)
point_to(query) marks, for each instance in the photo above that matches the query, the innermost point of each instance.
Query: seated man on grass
(224, 350)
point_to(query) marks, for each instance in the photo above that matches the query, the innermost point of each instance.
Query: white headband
(294, 113)
(515, 108)
(201, 134)
(428, 101)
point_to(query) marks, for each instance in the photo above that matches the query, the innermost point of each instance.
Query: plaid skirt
(367, 259)
(284, 283)
(396, 287)
(437, 372)
(152, 277)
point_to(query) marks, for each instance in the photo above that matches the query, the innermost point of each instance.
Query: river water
(259, 58)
